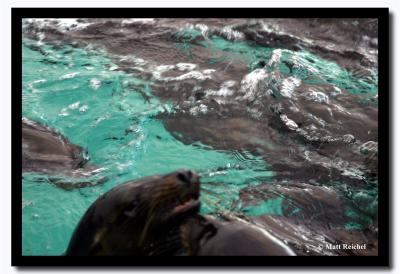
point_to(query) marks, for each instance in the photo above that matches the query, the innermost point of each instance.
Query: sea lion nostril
(185, 176)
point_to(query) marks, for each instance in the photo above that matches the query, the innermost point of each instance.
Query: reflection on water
(272, 132)
(119, 130)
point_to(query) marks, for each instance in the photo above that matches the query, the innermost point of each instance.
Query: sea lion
(137, 218)
(45, 151)
(207, 236)
(313, 217)
(48, 152)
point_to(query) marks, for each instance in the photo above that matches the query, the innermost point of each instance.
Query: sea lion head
(208, 236)
(140, 217)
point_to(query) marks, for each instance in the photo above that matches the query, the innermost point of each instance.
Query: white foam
(62, 24)
(122, 166)
(231, 34)
(368, 147)
(277, 30)
(216, 173)
(190, 75)
(208, 71)
(95, 83)
(349, 138)
(63, 112)
(132, 58)
(288, 86)
(342, 109)
(317, 96)
(300, 62)
(71, 23)
(203, 28)
(29, 122)
(83, 108)
(288, 122)
(39, 81)
(186, 66)
(157, 72)
(250, 83)
(137, 21)
(275, 58)
(74, 105)
(114, 67)
(336, 91)
(198, 109)
(222, 92)
(69, 75)
(228, 84)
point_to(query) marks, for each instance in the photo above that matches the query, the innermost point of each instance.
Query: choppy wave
(281, 123)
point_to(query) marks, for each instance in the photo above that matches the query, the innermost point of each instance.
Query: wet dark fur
(44, 150)
(206, 236)
(48, 152)
(137, 218)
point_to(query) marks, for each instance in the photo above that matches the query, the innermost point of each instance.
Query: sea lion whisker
(184, 234)
(208, 191)
(160, 195)
(208, 183)
(162, 199)
(224, 191)
(145, 228)
(212, 192)
(214, 201)
(165, 247)
(207, 199)
(166, 192)
(149, 219)
(163, 187)
(214, 204)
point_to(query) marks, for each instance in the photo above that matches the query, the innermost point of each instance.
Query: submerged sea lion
(140, 217)
(207, 236)
(46, 151)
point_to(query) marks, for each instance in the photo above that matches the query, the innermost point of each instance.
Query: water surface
(212, 110)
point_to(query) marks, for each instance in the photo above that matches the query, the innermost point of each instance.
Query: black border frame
(383, 258)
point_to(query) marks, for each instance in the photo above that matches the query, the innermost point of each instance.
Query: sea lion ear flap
(209, 231)
(195, 232)
(132, 209)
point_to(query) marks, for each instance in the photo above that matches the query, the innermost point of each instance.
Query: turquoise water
(80, 93)
(306, 66)
(79, 96)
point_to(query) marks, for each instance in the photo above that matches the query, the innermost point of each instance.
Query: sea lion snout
(187, 199)
(186, 180)
(187, 176)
